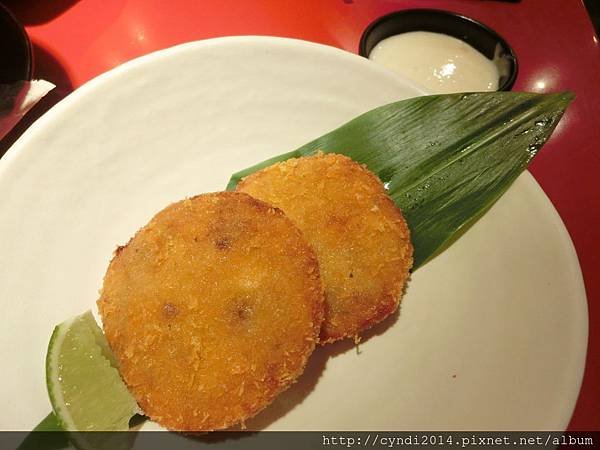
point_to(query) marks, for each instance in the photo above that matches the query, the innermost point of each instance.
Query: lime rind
(85, 388)
(56, 397)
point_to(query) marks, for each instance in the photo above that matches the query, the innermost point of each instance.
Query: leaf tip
(565, 96)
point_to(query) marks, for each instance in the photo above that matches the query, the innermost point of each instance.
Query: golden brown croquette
(212, 309)
(359, 235)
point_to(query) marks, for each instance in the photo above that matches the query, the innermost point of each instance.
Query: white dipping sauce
(439, 62)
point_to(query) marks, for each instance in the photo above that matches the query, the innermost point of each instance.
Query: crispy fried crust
(212, 309)
(359, 235)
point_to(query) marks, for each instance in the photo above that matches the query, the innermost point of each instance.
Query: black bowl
(476, 34)
(15, 49)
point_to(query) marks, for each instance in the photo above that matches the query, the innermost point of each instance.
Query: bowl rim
(28, 66)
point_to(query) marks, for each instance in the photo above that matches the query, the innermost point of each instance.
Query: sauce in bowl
(441, 63)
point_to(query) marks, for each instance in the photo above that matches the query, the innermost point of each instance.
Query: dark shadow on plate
(46, 67)
(296, 394)
(317, 363)
(36, 12)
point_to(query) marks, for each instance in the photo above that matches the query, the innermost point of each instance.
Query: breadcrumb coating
(212, 309)
(360, 237)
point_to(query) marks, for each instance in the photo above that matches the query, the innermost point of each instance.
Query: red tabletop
(554, 40)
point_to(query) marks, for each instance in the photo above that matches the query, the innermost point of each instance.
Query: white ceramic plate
(491, 334)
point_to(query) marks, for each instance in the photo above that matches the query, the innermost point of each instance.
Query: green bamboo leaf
(445, 159)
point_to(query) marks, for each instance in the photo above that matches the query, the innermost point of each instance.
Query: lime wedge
(85, 388)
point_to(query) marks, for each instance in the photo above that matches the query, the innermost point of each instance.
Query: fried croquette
(360, 237)
(212, 309)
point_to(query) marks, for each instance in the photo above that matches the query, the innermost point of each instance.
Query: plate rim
(567, 242)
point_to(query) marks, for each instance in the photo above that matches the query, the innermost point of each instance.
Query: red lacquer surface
(76, 40)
